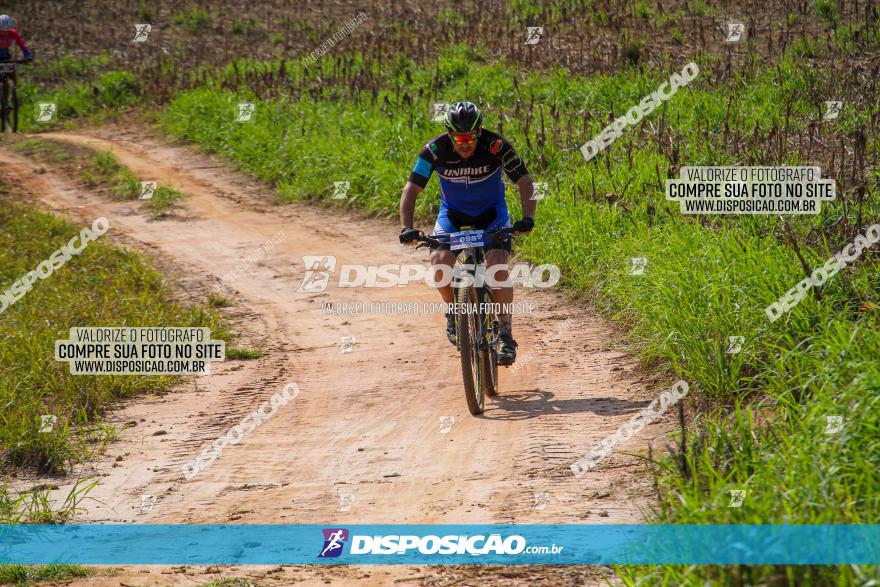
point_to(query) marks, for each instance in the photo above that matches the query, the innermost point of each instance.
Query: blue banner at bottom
(512, 544)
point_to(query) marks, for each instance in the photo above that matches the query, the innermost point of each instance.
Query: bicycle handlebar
(434, 239)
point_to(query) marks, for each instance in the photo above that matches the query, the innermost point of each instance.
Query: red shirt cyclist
(8, 35)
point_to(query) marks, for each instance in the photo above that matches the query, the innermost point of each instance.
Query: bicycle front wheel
(4, 105)
(488, 346)
(14, 105)
(468, 325)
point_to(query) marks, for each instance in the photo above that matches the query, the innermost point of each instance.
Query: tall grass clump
(103, 286)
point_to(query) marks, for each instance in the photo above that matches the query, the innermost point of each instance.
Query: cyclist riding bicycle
(468, 160)
(8, 34)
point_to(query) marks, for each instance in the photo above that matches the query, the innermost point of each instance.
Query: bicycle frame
(475, 258)
(8, 93)
(478, 327)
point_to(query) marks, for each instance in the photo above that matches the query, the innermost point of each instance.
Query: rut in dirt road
(378, 434)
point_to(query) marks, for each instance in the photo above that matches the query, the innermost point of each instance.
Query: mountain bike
(477, 325)
(8, 111)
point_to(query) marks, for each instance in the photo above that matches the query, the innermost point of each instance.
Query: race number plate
(465, 239)
(7, 67)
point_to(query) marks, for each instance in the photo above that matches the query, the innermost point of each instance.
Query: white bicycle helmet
(6, 22)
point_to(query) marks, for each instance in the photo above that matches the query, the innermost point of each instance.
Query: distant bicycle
(8, 96)
(477, 326)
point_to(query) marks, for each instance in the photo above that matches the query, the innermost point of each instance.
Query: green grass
(678, 36)
(704, 282)
(104, 285)
(109, 93)
(289, 143)
(230, 582)
(144, 13)
(53, 152)
(546, 12)
(241, 353)
(828, 10)
(449, 18)
(193, 20)
(24, 575)
(35, 506)
(105, 170)
(642, 10)
(98, 169)
(69, 67)
(218, 300)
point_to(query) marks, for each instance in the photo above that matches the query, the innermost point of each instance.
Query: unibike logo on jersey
(466, 171)
(334, 542)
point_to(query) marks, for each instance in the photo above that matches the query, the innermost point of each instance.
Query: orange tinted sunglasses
(463, 137)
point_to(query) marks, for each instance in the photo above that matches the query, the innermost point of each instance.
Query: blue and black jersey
(473, 185)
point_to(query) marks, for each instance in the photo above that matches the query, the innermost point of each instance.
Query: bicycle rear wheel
(467, 323)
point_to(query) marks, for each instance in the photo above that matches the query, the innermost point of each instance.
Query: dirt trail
(366, 424)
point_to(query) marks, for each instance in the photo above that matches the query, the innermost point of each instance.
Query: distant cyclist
(468, 160)
(8, 34)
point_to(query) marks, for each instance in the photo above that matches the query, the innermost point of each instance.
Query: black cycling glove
(408, 235)
(524, 225)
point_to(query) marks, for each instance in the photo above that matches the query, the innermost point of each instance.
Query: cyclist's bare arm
(526, 192)
(408, 203)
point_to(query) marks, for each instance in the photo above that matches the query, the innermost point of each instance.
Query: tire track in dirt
(366, 423)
